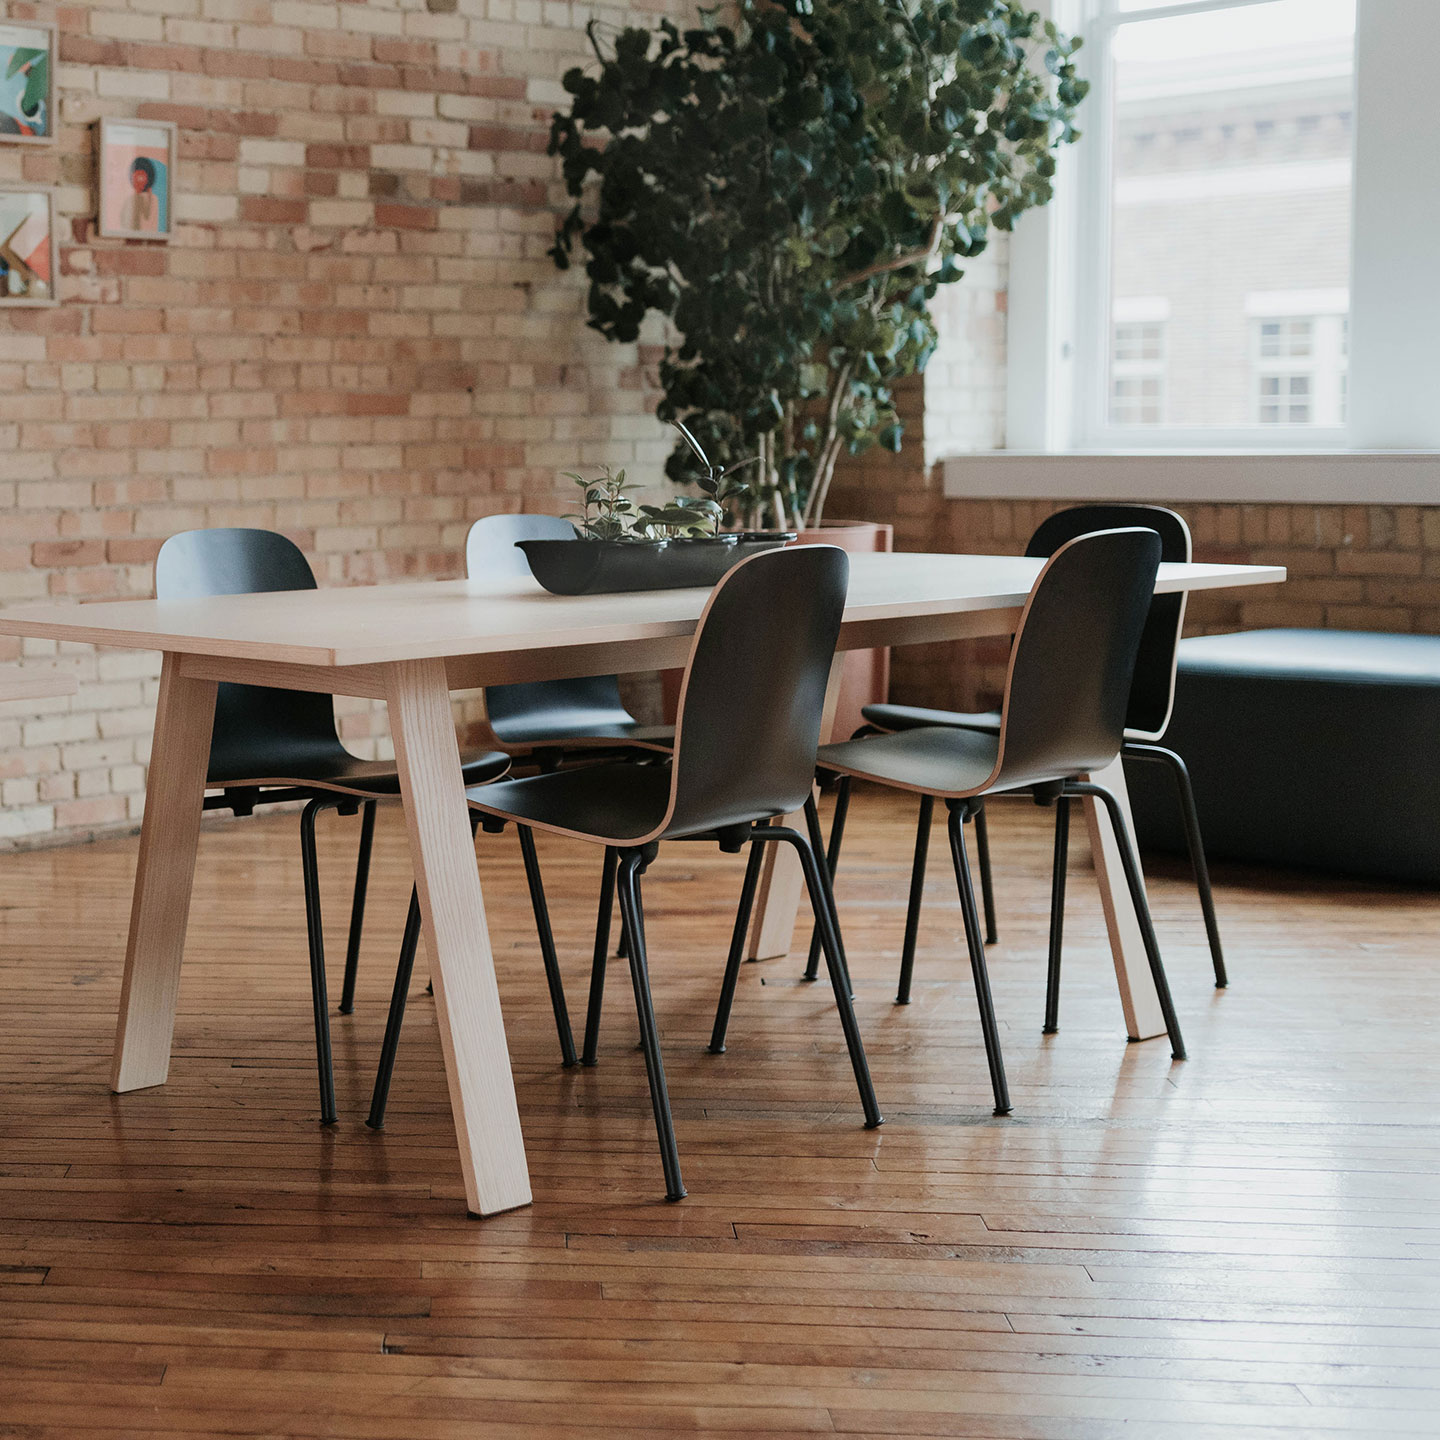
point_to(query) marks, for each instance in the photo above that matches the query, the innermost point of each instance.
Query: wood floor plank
(1242, 1247)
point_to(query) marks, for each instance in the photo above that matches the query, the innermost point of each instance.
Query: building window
(1137, 372)
(1285, 400)
(1222, 171)
(1299, 361)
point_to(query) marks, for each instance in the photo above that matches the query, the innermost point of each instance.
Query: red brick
(377, 404)
(266, 210)
(405, 217)
(46, 553)
(187, 117)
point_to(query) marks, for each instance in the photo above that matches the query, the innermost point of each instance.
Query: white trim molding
(1390, 477)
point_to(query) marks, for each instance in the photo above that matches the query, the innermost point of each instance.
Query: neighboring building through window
(1137, 365)
(1298, 357)
(1229, 135)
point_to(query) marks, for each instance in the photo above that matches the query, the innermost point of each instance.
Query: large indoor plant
(788, 191)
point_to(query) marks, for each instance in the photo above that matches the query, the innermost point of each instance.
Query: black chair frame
(744, 756)
(1102, 580)
(399, 995)
(1149, 711)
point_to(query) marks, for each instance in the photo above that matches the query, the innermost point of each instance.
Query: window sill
(1394, 477)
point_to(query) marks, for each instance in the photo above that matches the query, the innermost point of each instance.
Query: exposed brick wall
(354, 336)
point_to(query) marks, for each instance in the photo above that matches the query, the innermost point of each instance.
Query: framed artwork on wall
(29, 247)
(27, 82)
(135, 170)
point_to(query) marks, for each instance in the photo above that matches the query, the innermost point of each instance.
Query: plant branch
(900, 262)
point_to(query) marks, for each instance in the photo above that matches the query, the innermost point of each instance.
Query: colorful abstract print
(24, 82)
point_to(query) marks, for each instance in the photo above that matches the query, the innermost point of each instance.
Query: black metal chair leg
(1131, 865)
(357, 906)
(1195, 844)
(315, 933)
(917, 892)
(975, 943)
(602, 955)
(817, 846)
(832, 864)
(737, 948)
(632, 863)
(1057, 914)
(547, 945)
(816, 883)
(396, 1017)
(987, 880)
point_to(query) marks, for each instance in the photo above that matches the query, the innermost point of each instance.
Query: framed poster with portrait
(27, 82)
(135, 177)
(29, 247)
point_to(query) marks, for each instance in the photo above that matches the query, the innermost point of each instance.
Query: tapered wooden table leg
(174, 795)
(1138, 999)
(777, 899)
(467, 1002)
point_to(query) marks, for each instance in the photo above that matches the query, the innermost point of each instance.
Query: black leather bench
(1310, 748)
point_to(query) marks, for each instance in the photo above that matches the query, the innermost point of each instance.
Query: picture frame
(29, 246)
(27, 82)
(135, 179)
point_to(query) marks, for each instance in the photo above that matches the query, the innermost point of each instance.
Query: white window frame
(1393, 369)
(1093, 429)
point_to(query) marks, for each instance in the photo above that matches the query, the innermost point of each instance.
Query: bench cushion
(1310, 748)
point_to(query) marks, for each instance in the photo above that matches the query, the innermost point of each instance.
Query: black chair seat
(620, 804)
(913, 717)
(340, 771)
(929, 761)
(580, 729)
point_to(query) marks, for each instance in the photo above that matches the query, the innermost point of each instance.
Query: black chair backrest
(258, 732)
(1153, 691)
(541, 709)
(754, 692)
(1074, 657)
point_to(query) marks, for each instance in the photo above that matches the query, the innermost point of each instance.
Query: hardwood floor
(1243, 1245)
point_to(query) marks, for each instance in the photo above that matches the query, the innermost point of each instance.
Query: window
(1137, 368)
(1304, 110)
(1298, 359)
(1221, 172)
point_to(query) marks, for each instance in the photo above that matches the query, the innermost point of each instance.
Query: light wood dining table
(411, 645)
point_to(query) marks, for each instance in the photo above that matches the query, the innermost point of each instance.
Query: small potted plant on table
(624, 546)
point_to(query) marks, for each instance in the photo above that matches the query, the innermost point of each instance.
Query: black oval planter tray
(604, 567)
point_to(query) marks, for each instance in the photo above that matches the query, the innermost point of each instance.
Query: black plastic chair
(750, 713)
(1063, 718)
(1152, 695)
(272, 746)
(544, 718)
